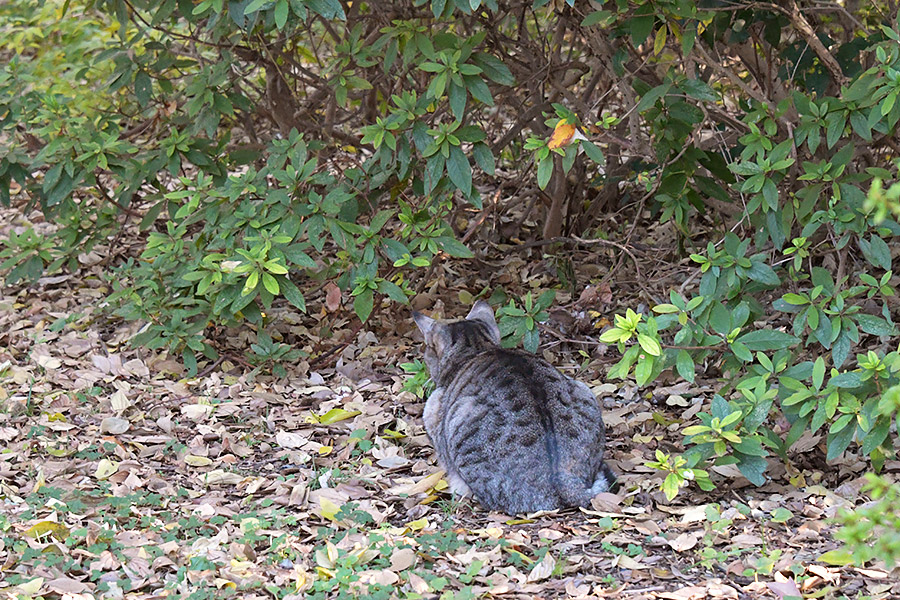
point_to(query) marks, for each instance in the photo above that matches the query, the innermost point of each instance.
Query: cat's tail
(573, 492)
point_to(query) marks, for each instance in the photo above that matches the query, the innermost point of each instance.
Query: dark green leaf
(459, 170)
(839, 441)
(593, 152)
(768, 339)
(874, 325)
(143, 87)
(363, 304)
(753, 468)
(849, 380)
(292, 293)
(483, 157)
(392, 291)
(453, 247)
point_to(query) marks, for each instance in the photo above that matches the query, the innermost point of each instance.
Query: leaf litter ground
(121, 477)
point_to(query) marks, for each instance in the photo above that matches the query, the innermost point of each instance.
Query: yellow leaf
(197, 461)
(325, 450)
(418, 524)
(105, 468)
(562, 135)
(336, 414)
(57, 530)
(837, 558)
(419, 487)
(32, 587)
(660, 42)
(327, 508)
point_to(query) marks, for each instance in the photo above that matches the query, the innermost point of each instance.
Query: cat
(509, 429)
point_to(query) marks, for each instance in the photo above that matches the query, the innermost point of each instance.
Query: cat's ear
(425, 323)
(483, 312)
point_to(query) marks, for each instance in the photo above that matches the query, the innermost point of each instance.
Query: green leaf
(670, 486)
(484, 157)
(598, 16)
(848, 380)
(544, 171)
(255, 5)
(250, 284)
(641, 27)
(720, 319)
(493, 68)
(363, 304)
(143, 87)
(753, 467)
(839, 441)
(270, 284)
(795, 299)
(876, 252)
(531, 340)
(768, 339)
(649, 344)
(874, 325)
(818, 373)
(479, 89)
(741, 351)
(782, 515)
(650, 98)
(392, 291)
(459, 170)
(281, 13)
(453, 247)
(685, 365)
(593, 152)
(457, 99)
(292, 293)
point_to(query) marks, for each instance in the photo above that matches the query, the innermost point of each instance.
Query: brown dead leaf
(402, 559)
(332, 297)
(684, 542)
(66, 585)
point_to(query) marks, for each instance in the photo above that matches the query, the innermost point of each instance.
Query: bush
(266, 148)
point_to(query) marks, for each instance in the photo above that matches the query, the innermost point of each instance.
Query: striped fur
(508, 427)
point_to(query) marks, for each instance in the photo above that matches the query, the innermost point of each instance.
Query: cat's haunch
(509, 428)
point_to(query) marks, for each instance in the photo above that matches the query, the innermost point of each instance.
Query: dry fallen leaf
(543, 569)
(683, 542)
(332, 297)
(114, 425)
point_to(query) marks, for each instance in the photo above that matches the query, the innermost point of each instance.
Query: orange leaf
(562, 135)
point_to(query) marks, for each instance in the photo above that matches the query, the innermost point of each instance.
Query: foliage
(873, 531)
(265, 149)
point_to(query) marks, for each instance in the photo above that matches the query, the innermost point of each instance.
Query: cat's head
(444, 339)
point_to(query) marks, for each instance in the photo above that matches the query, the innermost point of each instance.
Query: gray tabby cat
(508, 428)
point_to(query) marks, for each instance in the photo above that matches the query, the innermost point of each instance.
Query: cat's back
(519, 426)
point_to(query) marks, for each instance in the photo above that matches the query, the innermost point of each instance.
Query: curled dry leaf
(543, 569)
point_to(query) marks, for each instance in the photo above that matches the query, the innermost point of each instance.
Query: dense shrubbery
(267, 147)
